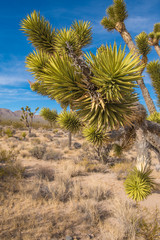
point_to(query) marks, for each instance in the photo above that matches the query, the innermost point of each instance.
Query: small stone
(77, 145)
(69, 238)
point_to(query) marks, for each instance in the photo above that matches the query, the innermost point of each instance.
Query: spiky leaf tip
(95, 136)
(142, 43)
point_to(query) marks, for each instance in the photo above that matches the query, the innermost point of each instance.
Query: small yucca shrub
(9, 132)
(139, 184)
(154, 117)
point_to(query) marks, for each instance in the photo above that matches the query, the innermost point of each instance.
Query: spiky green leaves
(83, 32)
(153, 68)
(39, 32)
(142, 44)
(155, 35)
(49, 115)
(115, 13)
(114, 77)
(95, 136)
(139, 184)
(69, 121)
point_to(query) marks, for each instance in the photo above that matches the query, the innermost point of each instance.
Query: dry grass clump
(92, 166)
(38, 151)
(122, 169)
(46, 173)
(53, 155)
(35, 141)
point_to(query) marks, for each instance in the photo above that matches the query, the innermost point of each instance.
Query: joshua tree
(100, 88)
(116, 15)
(49, 115)
(70, 122)
(154, 38)
(27, 117)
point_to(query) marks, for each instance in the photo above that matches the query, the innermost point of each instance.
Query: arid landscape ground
(51, 192)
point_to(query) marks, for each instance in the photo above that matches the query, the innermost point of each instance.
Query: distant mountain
(6, 114)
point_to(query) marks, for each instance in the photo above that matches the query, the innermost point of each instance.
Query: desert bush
(18, 125)
(62, 189)
(48, 136)
(11, 169)
(9, 132)
(38, 151)
(91, 166)
(46, 173)
(53, 155)
(7, 156)
(122, 169)
(35, 140)
(149, 226)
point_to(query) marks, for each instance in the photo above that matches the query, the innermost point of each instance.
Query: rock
(157, 167)
(77, 145)
(69, 238)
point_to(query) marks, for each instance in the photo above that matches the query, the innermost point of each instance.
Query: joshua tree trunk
(157, 48)
(121, 28)
(142, 146)
(69, 140)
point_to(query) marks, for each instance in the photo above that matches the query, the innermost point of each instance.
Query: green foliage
(155, 35)
(9, 132)
(139, 184)
(153, 68)
(6, 156)
(142, 43)
(117, 150)
(39, 32)
(157, 27)
(49, 115)
(154, 117)
(114, 77)
(69, 121)
(24, 135)
(115, 13)
(95, 136)
(83, 32)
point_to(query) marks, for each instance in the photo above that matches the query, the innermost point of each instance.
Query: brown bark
(120, 27)
(157, 48)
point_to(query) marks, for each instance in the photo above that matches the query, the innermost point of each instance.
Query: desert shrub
(38, 151)
(1, 132)
(46, 173)
(122, 169)
(11, 169)
(48, 136)
(53, 155)
(18, 125)
(42, 192)
(7, 156)
(149, 226)
(63, 189)
(91, 166)
(154, 117)
(9, 132)
(35, 141)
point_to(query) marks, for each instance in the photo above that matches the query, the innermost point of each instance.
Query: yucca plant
(139, 184)
(49, 115)
(69, 121)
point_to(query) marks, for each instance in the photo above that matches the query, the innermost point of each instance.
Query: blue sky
(14, 88)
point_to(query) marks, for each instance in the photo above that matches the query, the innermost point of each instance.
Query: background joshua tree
(70, 122)
(100, 88)
(154, 38)
(116, 15)
(27, 117)
(49, 115)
